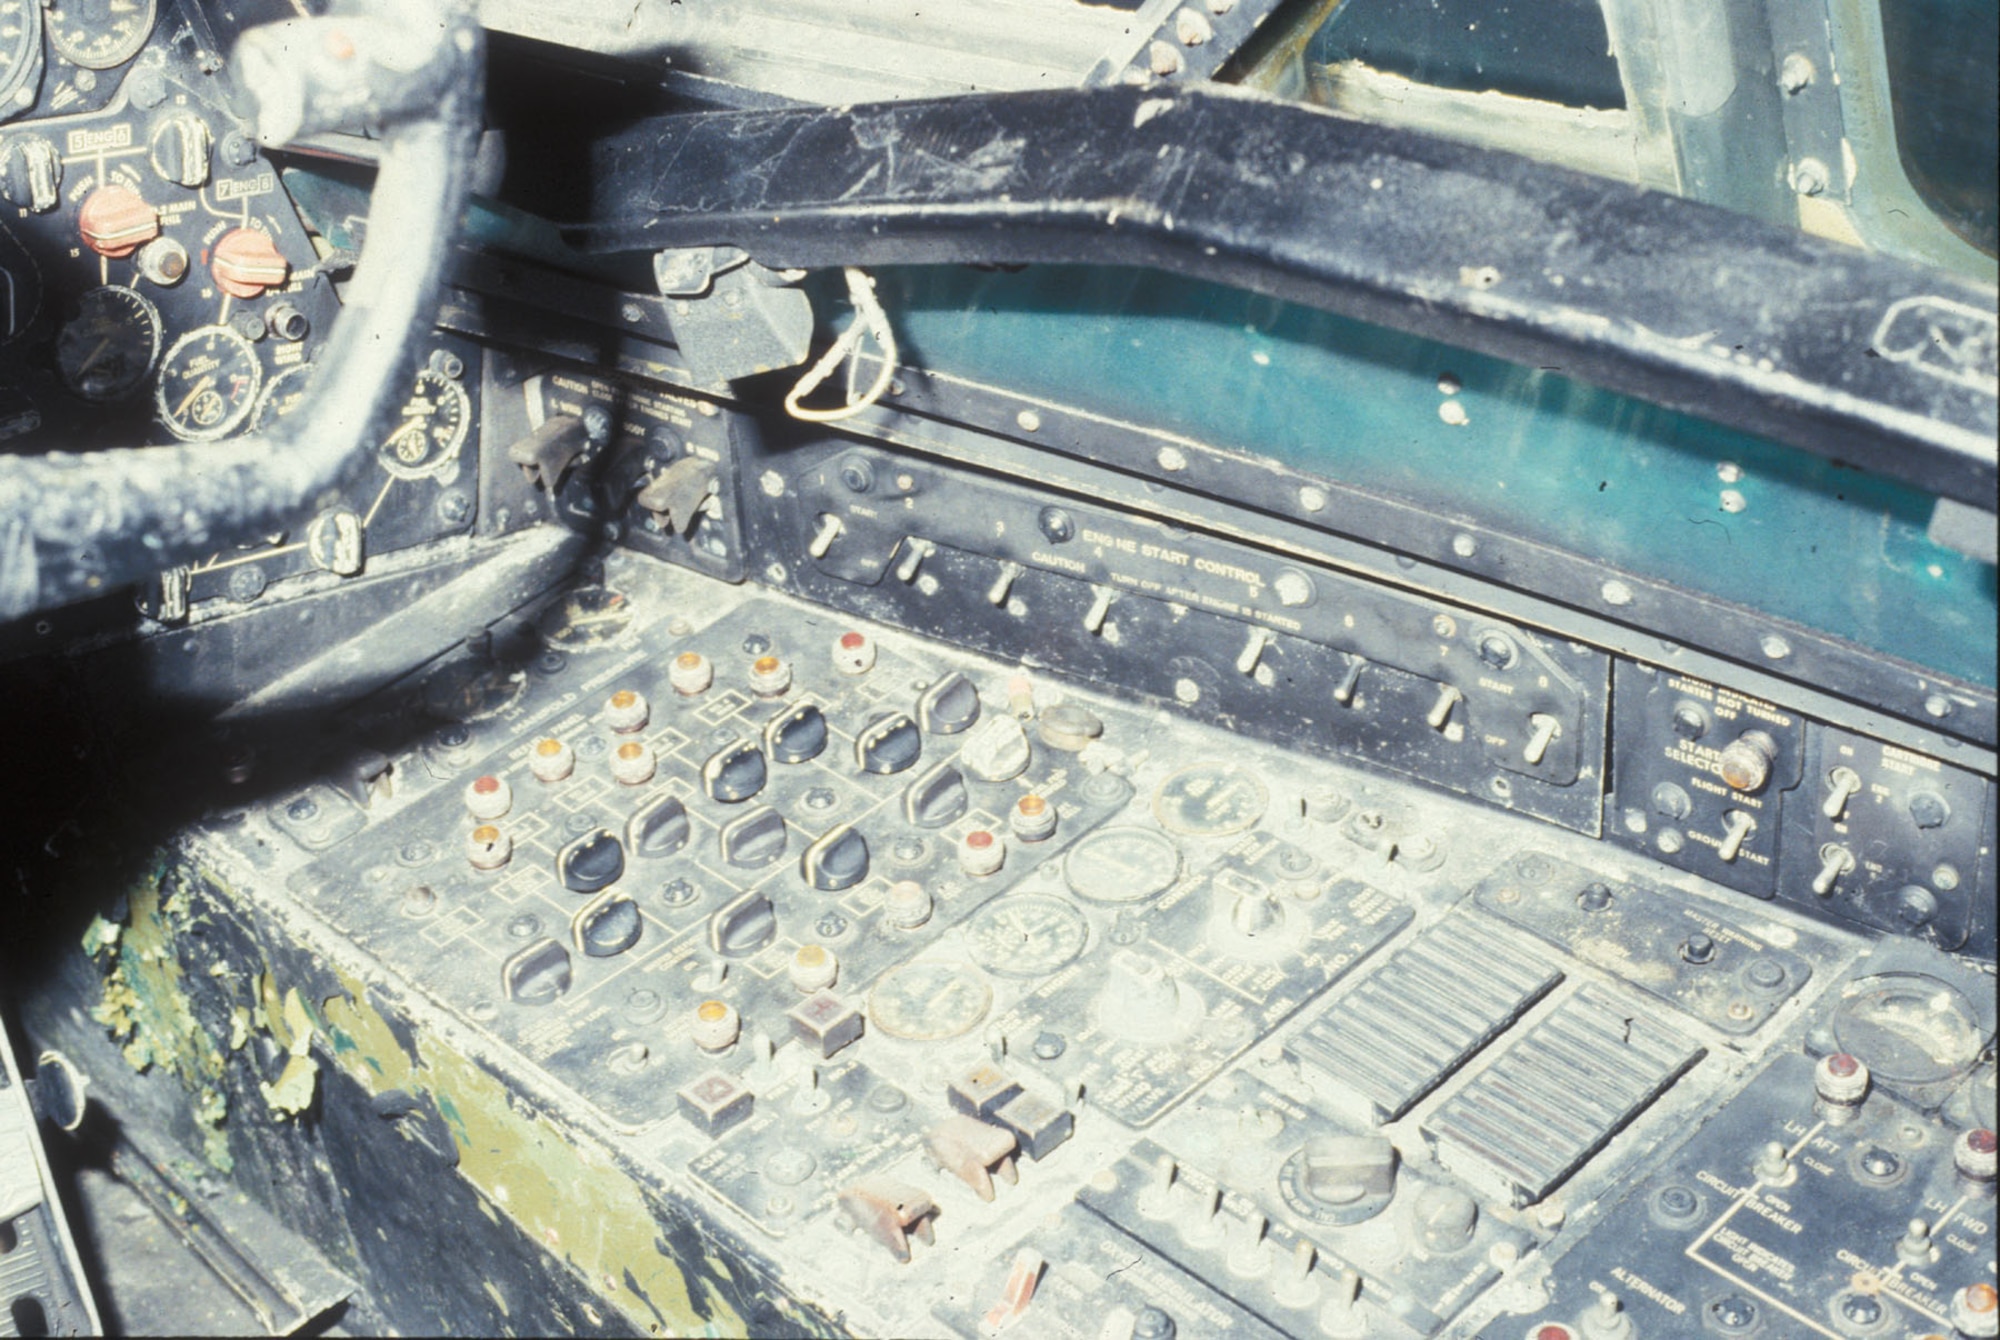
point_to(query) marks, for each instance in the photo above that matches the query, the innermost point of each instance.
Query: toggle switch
(1003, 585)
(1350, 680)
(1100, 606)
(1738, 825)
(914, 552)
(1253, 651)
(830, 527)
(1440, 713)
(1842, 785)
(1542, 732)
(1834, 861)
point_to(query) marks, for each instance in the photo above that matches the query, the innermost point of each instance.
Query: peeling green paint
(145, 1006)
(565, 1195)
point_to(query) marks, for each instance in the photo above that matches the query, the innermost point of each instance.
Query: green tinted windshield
(1526, 450)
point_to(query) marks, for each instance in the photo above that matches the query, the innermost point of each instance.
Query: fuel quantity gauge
(208, 383)
(106, 351)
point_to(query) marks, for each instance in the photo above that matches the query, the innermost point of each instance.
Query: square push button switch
(825, 1023)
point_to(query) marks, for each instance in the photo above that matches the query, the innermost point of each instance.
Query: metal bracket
(732, 317)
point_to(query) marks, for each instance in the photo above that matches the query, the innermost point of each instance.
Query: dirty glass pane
(1553, 50)
(1529, 450)
(1944, 85)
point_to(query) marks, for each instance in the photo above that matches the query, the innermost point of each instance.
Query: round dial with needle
(98, 34)
(431, 430)
(208, 383)
(929, 1001)
(107, 349)
(1027, 935)
(20, 53)
(286, 392)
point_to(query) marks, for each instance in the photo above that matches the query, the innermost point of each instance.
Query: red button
(486, 786)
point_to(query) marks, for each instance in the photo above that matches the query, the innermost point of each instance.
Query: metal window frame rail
(1844, 354)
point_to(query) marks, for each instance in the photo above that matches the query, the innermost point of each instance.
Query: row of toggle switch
(1542, 729)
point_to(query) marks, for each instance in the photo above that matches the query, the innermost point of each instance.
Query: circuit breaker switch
(690, 673)
(1841, 1083)
(716, 1026)
(633, 763)
(551, 760)
(488, 797)
(488, 848)
(854, 653)
(770, 676)
(813, 968)
(626, 711)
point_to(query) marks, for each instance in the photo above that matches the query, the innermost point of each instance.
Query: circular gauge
(1912, 1030)
(1027, 934)
(586, 618)
(433, 427)
(286, 392)
(208, 383)
(1122, 865)
(20, 52)
(98, 34)
(929, 1001)
(1211, 799)
(107, 349)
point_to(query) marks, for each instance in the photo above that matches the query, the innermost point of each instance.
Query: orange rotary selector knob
(116, 221)
(245, 262)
